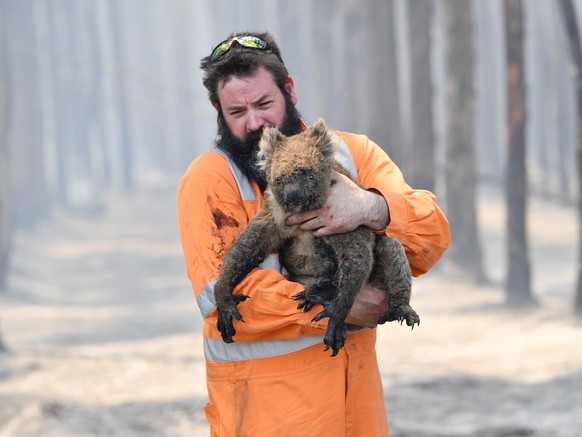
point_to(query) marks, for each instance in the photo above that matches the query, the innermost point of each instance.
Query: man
(276, 380)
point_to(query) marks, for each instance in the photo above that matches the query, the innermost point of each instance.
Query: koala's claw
(300, 295)
(401, 313)
(226, 311)
(321, 315)
(305, 303)
(335, 337)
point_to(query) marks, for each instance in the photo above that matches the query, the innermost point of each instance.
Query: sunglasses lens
(252, 42)
(220, 50)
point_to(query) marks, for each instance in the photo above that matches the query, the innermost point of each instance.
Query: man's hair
(241, 61)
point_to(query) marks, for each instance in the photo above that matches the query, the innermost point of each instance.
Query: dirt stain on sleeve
(222, 220)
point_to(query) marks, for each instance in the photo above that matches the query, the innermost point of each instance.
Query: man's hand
(371, 303)
(347, 207)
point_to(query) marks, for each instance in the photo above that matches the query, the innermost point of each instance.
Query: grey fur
(333, 269)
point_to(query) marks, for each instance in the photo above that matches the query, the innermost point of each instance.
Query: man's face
(248, 104)
(251, 102)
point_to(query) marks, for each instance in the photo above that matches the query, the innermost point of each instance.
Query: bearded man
(276, 379)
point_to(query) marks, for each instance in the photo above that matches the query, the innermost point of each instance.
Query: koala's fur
(333, 269)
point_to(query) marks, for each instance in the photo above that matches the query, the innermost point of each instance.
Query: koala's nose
(292, 195)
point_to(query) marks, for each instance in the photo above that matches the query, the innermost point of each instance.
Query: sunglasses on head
(251, 42)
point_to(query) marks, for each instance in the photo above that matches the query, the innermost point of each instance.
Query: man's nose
(254, 121)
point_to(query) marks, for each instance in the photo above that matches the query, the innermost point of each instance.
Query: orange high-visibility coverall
(276, 379)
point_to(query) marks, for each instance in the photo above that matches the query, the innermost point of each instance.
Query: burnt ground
(103, 334)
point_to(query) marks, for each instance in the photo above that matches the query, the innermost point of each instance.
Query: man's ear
(216, 105)
(290, 88)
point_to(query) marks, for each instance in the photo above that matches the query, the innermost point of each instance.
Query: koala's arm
(249, 250)
(211, 216)
(415, 217)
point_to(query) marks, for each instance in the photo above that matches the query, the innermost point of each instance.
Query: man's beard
(244, 152)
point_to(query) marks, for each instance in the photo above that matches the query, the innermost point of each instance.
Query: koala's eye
(311, 177)
(278, 181)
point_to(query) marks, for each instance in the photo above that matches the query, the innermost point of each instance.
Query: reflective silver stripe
(206, 301)
(217, 350)
(244, 186)
(344, 157)
(273, 262)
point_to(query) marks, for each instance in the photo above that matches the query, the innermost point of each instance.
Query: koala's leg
(392, 272)
(354, 265)
(247, 252)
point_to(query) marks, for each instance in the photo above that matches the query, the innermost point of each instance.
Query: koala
(332, 269)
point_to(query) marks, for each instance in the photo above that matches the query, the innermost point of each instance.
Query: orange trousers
(306, 393)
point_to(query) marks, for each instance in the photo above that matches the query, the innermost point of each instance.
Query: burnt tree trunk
(5, 231)
(571, 27)
(383, 119)
(460, 173)
(5, 228)
(31, 199)
(518, 290)
(122, 92)
(422, 158)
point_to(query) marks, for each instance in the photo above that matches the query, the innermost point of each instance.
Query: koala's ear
(269, 140)
(327, 141)
(318, 129)
(267, 145)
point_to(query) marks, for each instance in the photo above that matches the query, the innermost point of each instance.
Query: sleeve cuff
(398, 214)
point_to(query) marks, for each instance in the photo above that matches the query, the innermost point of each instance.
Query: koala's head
(299, 167)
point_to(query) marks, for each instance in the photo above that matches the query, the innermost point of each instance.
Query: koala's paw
(336, 336)
(401, 313)
(226, 311)
(304, 302)
(322, 292)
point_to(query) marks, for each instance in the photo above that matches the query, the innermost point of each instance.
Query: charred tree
(122, 92)
(517, 285)
(324, 76)
(31, 200)
(5, 228)
(422, 158)
(5, 231)
(460, 172)
(383, 118)
(354, 100)
(72, 90)
(572, 32)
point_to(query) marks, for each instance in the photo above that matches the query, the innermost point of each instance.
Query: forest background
(102, 109)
